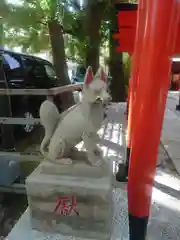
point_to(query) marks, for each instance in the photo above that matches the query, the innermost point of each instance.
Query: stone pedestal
(74, 200)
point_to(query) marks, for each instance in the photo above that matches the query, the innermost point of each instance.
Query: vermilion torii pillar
(134, 75)
(161, 23)
(133, 83)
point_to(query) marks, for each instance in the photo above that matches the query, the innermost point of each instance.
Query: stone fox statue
(80, 122)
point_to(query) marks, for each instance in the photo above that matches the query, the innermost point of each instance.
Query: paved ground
(170, 133)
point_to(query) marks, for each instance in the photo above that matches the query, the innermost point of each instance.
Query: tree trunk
(94, 15)
(59, 59)
(117, 86)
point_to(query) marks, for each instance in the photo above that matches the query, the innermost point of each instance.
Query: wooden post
(153, 82)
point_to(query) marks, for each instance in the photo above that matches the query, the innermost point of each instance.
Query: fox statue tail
(49, 118)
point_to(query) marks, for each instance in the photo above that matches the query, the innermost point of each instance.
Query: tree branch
(65, 31)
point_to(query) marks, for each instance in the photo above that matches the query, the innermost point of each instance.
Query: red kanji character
(65, 206)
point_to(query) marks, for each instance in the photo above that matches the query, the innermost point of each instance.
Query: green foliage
(26, 24)
(127, 69)
(75, 49)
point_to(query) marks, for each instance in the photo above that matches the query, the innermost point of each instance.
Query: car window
(12, 66)
(39, 71)
(50, 71)
(28, 63)
(11, 61)
(34, 68)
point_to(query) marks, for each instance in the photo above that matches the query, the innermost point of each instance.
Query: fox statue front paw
(98, 163)
(65, 161)
(97, 152)
(95, 158)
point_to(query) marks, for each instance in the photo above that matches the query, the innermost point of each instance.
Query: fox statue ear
(89, 76)
(104, 76)
(101, 74)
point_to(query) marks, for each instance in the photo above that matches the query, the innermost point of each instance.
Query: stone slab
(176, 163)
(92, 215)
(77, 168)
(23, 229)
(163, 223)
(170, 136)
(173, 148)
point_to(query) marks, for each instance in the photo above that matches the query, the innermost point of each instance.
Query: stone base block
(71, 205)
(77, 168)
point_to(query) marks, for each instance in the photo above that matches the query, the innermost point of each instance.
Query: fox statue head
(95, 87)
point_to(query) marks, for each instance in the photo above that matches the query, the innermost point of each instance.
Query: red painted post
(135, 66)
(161, 24)
(133, 82)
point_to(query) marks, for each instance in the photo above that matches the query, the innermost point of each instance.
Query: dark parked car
(21, 72)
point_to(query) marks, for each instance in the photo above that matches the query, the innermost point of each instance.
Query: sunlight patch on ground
(166, 200)
(168, 180)
(167, 194)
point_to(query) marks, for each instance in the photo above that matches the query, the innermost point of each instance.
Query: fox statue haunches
(80, 122)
